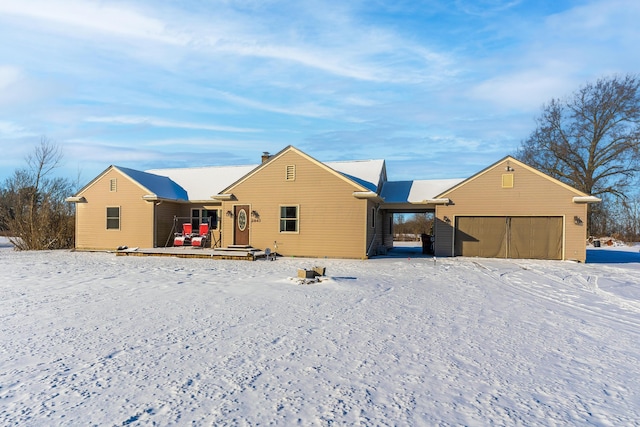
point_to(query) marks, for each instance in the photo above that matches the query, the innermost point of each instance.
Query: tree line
(33, 211)
(411, 227)
(589, 140)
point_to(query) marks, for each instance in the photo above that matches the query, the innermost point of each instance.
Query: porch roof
(161, 186)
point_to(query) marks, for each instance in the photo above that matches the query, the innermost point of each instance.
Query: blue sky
(439, 89)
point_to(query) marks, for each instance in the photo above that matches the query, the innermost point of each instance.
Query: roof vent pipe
(265, 156)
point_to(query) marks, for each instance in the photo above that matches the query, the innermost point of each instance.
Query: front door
(241, 228)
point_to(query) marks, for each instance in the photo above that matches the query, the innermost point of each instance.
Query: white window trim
(107, 217)
(297, 219)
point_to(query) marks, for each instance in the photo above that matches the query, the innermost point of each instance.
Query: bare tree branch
(591, 139)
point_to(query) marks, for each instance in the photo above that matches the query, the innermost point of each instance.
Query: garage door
(509, 237)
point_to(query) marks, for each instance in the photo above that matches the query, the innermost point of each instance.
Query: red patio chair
(184, 238)
(201, 239)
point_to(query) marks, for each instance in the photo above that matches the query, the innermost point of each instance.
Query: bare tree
(34, 210)
(590, 140)
(412, 228)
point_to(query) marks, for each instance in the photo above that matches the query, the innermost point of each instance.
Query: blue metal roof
(161, 186)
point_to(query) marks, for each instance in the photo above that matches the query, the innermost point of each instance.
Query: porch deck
(233, 253)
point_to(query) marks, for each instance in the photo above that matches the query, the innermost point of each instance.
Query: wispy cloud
(305, 110)
(151, 121)
(71, 15)
(8, 76)
(11, 130)
(373, 55)
(566, 49)
(485, 8)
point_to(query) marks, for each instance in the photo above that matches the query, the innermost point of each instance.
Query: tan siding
(332, 222)
(136, 215)
(381, 232)
(443, 232)
(531, 195)
(165, 212)
(388, 221)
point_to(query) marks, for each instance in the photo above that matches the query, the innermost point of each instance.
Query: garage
(529, 237)
(511, 210)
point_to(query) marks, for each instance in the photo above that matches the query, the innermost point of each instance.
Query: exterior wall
(532, 195)
(165, 212)
(444, 235)
(379, 238)
(136, 215)
(387, 229)
(332, 222)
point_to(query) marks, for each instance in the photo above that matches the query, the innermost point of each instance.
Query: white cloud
(524, 90)
(485, 8)
(371, 54)
(608, 19)
(151, 121)
(305, 110)
(568, 49)
(93, 17)
(8, 76)
(12, 130)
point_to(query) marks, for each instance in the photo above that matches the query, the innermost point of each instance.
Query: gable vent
(291, 172)
(113, 184)
(507, 180)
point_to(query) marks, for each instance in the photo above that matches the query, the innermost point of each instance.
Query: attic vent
(507, 180)
(113, 184)
(291, 172)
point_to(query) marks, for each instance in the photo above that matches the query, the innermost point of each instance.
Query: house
(296, 205)
(125, 207)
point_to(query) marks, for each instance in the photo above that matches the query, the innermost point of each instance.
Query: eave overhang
(368, 195)
(443, 201)
(223, 197)
(586, 199)
(74, 199)
(155, 198)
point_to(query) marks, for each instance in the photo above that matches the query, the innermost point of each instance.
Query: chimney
(265, 156)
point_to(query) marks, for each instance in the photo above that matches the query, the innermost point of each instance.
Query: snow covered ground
(95, 339)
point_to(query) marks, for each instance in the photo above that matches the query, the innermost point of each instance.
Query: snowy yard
(95, 339)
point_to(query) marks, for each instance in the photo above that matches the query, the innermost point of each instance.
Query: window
(213, 218)
(291, 172)
(373, 217)
(113, 218)
(195, 219)
(288, 219)
(204, 216)
(113, 184)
